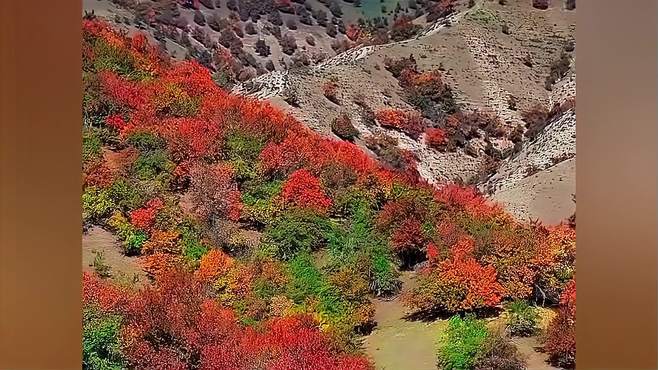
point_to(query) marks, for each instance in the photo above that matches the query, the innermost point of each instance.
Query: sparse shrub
(291, 24)
(330, 91)
(340, 45)
(300, 59)
(304, 15)
(321, 17)
(269, 65)
(404, 29)
(367, 115)
(536, 119)
(335, 8)
(440, 9)
(397, 66)
(237, 28)
(570, 4)
(527, 60)
(516, 136)
(250, 28)
(275, 18)
(521, 318)
(262, 48)
(512, 102)
(570, 46)
(288, 44)
(310, 40)
(387, 149)
(353, 32)
(210, 4)
(292, 96)
(343, 128)
(331, 30)
(199, 18)
(101, 268)
(559, 69)
(497, 352)
(541, 4)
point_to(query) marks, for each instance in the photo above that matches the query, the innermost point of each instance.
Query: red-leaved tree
(303, 190)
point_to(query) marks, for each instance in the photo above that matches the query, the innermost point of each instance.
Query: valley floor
(397, 343)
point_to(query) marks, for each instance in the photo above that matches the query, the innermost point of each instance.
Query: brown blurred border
(40, 161)
(40, 229)
(616, 181)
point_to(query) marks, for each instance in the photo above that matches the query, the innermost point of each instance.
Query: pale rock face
(502, 148)
(476, 147)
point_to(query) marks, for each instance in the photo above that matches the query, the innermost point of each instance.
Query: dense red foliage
(303, 190)
(469, 200)
(435, 137)
(568, 298)
(458, 283)
(173, 325)
(561, 334)
(408, 236)
(116, 122)
(411, 123)
(143, 218)
(462, 271)
(100, 175)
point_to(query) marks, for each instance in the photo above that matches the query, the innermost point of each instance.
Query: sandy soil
(546, 195)
(528, 348)
(96, 240)
(400, 344)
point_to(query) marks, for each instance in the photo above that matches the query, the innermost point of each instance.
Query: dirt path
(98, 240)
(535, 360)
(400, 344)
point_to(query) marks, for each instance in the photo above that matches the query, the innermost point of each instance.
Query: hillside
(327, 224)
(483, 66)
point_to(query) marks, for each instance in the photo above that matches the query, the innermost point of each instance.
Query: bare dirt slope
(539, 182)
(546, 195)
